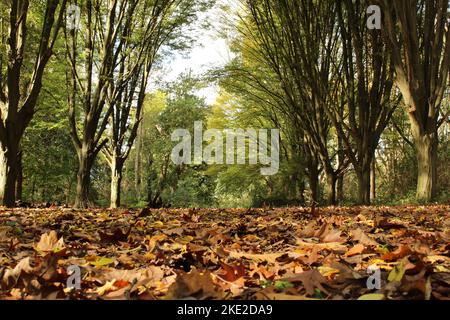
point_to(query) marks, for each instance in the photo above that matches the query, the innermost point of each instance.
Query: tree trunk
(340, 178)
(363, 186)
(83, 180)
(137, 163)
(331, 188)
(426, 150)
(340, 188)
(373, 186)
(116, 180)
(313, 177)
(8, 173)
(19, 182)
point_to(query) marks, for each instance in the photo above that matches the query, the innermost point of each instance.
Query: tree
(111, 75)
(160, 28)
(21, 81)
(297, 40)
(366, 92)
(418, 33)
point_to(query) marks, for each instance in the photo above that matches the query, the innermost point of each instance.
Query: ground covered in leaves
(286, 253)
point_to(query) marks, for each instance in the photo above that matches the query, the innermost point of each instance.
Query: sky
(210, 51)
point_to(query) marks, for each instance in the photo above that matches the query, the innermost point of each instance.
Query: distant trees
(167, 183)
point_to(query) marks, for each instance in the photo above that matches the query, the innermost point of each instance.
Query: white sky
(210, 51)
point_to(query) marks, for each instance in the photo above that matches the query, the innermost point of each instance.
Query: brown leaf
(400, 253)
(11, 276)
(117, 236)
(145, 212)
(311, 280)
(328, 234)
(49, 243)
(387, 225)
(361, 237)
(232, 272)
(358, 249)
(195, 284)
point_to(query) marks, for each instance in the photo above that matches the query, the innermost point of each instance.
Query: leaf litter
(264, 254)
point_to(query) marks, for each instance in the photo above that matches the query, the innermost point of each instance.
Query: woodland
(92, 205)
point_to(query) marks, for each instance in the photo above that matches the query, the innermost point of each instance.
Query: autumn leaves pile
(226, 254)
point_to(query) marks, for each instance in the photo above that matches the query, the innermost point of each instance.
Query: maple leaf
(361, 237)
(311, 280)
(245, 248)
(11, 276)
(49, 243)
(195, 284)
(328, 234)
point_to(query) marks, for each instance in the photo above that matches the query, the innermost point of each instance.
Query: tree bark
(83, 180)
(363, 176)
(138, 162)
(19, 181)
(426, 150)
(116, 180)
(340, 178)
(18, 101)
(8, 173)
(331, 188)
(340, 189)
(373, 186)
(420, 48)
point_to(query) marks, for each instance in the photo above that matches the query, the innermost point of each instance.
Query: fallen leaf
(49, 243)
(358, 249)
(372, 296)
(311, 280)
(195, 284)
(361, 237)
(101, 262)
(400, 253)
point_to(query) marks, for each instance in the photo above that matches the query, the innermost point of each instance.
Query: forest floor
(284, 253)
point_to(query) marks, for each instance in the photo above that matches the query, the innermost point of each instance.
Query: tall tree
(21, 81)
(418, 33)
(89, 79)
(298, 41)
(366, 89)
(144, 37)
(108, 80)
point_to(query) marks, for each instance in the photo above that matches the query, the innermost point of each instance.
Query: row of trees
(333, 84)
(107, 56)
(358, 108)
